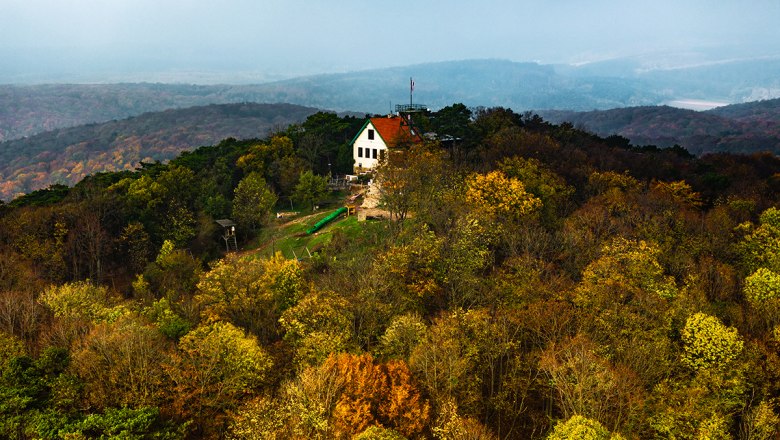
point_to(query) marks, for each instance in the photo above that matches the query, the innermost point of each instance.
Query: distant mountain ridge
(31, 109)
(67, 155)
(739, 128)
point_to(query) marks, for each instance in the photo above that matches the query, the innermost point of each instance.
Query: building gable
(388, 132)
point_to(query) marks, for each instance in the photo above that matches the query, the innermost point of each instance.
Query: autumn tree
(173, 275)
(762, 292)
(471, 359)
(303, 410)
(21, 314)
(342, 398)
(548, 187)
(761, 244)
(119, 363)
(318, 325)
(83, 301)
(383, 394)
(627, 271)
(580, 427)
(708, 344)
(215, 367)
(409, 273)
(402, 335)
(627, 288)
(588, 385)
(702, 405)
(451, 425)
(500, 196)
(251, 293)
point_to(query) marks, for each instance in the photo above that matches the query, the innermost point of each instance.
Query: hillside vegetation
(534, 281)
(65, 156)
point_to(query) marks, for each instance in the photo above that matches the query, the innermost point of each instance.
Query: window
(370, 134)
(374, 153)
(360, 151)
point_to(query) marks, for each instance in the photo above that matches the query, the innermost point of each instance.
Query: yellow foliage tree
(320, 324)
(215, 367)
(708, 343)
(251, 293)
(83, 301)
(500, 196)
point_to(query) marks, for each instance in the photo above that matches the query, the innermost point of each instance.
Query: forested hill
(740, 128)
(67, 155)
(26, 110)
(527, 281)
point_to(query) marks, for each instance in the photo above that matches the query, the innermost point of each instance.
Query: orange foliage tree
(376, 394)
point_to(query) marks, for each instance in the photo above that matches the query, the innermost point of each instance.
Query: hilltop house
(370, 145)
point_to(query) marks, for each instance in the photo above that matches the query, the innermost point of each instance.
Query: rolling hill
(67, 155)
(30, 109)
(739, 128)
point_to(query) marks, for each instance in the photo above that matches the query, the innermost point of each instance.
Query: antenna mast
(411, 91)
(407, 110)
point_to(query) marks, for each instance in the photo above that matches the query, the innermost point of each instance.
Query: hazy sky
(242, 40)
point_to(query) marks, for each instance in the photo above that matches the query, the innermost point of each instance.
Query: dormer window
(370, 134)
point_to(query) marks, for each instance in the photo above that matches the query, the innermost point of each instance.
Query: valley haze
(242, 41)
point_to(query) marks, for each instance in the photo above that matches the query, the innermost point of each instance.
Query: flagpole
(411, 90)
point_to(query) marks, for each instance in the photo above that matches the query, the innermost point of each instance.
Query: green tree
(310, 189)
(125, 423)
(28, 390)
(253, 201)
(136, 245)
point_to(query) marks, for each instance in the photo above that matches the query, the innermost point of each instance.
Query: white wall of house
(367, 152)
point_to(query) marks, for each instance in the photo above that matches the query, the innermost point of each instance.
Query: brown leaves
(376, 394)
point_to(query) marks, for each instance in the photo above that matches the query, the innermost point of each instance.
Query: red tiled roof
(393, 131)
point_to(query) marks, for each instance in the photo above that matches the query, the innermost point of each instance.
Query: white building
(370, 145)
